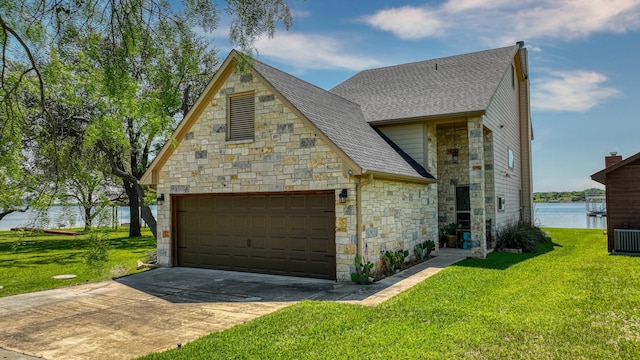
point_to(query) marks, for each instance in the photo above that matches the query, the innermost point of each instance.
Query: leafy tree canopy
(110, 77)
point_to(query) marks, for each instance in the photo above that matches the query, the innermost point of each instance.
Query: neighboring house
(268, 173)
(622, 189)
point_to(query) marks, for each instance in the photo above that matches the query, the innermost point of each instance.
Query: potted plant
(449, 232)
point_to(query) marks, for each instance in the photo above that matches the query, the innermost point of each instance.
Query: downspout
(360, 183)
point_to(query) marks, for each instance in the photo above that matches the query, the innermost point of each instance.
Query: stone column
(477, 187)
(431, 164)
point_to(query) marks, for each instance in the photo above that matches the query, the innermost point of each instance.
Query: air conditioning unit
(626, 240)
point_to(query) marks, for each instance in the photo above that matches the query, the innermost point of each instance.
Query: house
(268, 173)
(622, 191)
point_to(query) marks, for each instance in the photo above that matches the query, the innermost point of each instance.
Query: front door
(463, 207)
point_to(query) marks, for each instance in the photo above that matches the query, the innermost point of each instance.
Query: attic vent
(241, 117)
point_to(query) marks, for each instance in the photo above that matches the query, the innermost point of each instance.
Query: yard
(28, 261)
(574, 302)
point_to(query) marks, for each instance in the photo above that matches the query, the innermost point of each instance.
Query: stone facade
(477, 186)
(474, 152)
(451, 174)
(489, 183)
(486, 151)
(397, 216)
(286, 155)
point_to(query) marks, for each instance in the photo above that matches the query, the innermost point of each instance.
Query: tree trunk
(135, 194)
(134, 206)
(87, 218)
(5, 213)
(150, 220)
(11, 211)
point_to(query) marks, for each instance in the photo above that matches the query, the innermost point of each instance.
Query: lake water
(65, 217)
(559, 215)
(566, 215)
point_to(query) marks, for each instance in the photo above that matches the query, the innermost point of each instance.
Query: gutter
(397, 177)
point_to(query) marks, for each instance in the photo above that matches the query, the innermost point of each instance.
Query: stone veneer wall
(489, 182)
(474, 154)
(286, 155)
(396, 216)
(477, 186)
(451, 175)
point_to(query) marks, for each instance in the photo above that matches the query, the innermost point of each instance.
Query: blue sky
(584, 57)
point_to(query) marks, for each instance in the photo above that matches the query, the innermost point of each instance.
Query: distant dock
(596, 205)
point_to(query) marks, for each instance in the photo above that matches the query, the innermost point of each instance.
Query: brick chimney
(612, 159)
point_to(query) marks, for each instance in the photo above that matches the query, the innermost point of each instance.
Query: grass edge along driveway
(575, 301)
(29, 260)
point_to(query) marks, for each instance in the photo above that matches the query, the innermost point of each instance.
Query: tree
(145, 78)
(150, 66)
(89, 186)
(13, 181)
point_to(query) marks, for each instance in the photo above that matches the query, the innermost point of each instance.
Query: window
(510, 158)
(513, 77)
(241, 117)
(501, 202)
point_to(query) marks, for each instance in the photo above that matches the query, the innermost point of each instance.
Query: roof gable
(342, 122)
(452, 85)
(339, 121)
(601, 176)
(151, 175)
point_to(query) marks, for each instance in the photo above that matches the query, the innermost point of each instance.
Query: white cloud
(570, 19)
(299, 13)
(506, 21)
(407, 22)
(312, 52)
(577, 90)
(464, 5)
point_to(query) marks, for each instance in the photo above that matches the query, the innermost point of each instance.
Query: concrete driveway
(156, 310)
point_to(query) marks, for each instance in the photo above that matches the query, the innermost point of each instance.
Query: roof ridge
(465, 83)
(407, 64)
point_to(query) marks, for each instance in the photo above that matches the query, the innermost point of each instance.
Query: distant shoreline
(566, 196)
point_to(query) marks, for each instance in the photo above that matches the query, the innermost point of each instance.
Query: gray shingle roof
(341, 121)
(461, 84)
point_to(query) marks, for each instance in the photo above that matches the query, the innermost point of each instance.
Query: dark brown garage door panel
(287, 234)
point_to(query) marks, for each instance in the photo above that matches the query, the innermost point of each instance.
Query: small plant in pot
(449, 233)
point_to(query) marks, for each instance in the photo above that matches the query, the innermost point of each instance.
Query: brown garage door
(286, 234)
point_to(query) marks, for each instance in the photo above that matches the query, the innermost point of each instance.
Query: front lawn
(28, 261)
(574, 302)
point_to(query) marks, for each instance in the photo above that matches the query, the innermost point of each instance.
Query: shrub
(97, 255)
(395, 260)
(363, 272)
(521, 235)
(152, 257)
(423, 250)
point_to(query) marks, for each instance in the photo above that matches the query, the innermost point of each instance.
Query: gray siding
(502, 117)
(410, 138)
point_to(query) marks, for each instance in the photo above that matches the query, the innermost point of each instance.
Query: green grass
(572, 302)
(29, 260)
